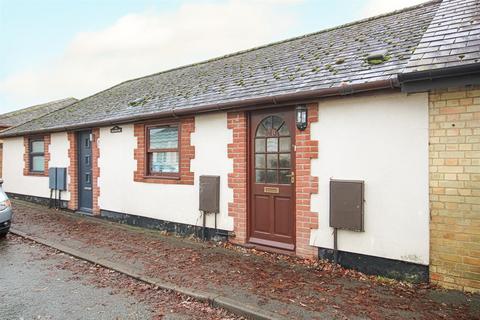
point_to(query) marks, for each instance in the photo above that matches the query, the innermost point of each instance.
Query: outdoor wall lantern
(301, 115)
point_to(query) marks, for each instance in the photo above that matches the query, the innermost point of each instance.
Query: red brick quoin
(187, 153)
(306, 185)
(95, 171)
(72, 171)
(26, 157)
(237, 180)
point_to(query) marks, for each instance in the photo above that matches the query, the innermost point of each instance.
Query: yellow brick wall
(455, 188)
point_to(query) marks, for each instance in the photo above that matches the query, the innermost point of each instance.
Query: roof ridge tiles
(14, 112)
(281, 69)
(349, 24)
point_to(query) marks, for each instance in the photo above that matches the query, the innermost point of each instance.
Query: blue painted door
(85, 171)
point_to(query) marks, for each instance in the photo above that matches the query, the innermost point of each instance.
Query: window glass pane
(285, 177)
(285, 144)
(261, 131)
(272, 161)
(259, 161)
(284, 130)
(164, 162)
(87, 177)
(267, 122)
(163, 138)
(38, 163)
(37, 146)
(277, 122)
(272, 145)
(87, 160)
(271, 176)
(285, 160)
(260, 176)
(260, 145)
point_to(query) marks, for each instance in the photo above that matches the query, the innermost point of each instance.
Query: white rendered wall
(383, 140)
(59, 146)
(13, 164)
(170, 202)
(211, 139)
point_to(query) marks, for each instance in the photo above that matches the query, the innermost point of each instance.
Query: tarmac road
(33, 287)
(41, 283)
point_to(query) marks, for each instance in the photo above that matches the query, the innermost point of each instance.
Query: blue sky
(51, 49)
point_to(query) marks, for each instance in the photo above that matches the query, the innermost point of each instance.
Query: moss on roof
(315, 61)
(17, 117)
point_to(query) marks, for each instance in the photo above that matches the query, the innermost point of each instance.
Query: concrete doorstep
(249, 311)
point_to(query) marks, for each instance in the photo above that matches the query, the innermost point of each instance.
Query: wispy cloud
(143, 43)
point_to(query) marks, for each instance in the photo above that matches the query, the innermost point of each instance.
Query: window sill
(162, 177)
(37, 174)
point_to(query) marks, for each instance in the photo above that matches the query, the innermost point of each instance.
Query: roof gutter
(270, 101)
(420, 81)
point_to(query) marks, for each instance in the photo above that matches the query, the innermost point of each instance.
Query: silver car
(5, 212)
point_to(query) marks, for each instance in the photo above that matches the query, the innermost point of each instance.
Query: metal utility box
(52, 178)
(346, 204)
(62, 179)
(57, 178)
(210, 194)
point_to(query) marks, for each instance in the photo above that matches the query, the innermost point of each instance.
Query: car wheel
(3, 234)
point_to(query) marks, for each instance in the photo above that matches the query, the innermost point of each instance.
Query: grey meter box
(52, 178)
(210, 194)
(346, 204)
(57, 178)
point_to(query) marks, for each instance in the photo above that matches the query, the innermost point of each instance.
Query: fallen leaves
(313, 285)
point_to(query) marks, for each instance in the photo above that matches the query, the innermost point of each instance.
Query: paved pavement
(41, 283)
(283, 286)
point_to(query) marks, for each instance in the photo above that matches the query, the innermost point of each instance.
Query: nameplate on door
(271, 190)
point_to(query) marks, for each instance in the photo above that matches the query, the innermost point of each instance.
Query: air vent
(140, 101)
(378, 57)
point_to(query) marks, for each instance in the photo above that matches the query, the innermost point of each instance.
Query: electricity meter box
(210, 194)
(57, 178)
(347, 204)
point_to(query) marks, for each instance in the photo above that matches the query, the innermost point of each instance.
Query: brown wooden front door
(272, 180)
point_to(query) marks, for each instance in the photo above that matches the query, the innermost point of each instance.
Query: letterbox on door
(346, 204)
(210, 194)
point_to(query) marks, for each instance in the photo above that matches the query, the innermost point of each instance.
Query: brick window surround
(26, 155)
(73, 171)
(306, 185)
(187, 153)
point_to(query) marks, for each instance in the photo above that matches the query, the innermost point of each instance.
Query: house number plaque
(271, 190)
(116, 129)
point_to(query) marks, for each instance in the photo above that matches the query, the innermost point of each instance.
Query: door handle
(292, 177)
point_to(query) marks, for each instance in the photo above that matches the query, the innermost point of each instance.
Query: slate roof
(321, 60)
(21, 116)
(452, 39)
